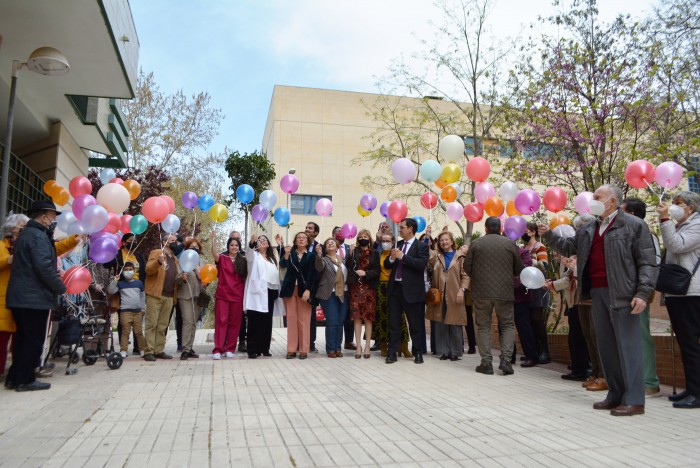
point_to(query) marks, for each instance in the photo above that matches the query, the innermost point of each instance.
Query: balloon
(397, 211)
(508, 191)
(133, 187)
(106, 175)
(64, 220)
(348, 230)
(51, 187)
(79, 185)
(474, 212)
(114, 222)
(138, 224)
(170, 202)
(244, 194)
(170, 224)
(430, 170)
(451, 173)
(289, 183)
(368, 202)
(451, 148)
(282, 216)
(96, 235)
(493, 206)
(449, 193)
(80, 203)
(259, 213)
(559, 219)
(117, 180)
(208, 273)
(268, 199)
(421, 223)
(95, 218)
(114, 198)
(77, 279)
(103, 250)
(155, 209)
(527, 201)
(478, 169)
(511, 210)
(483, 190)
(324, 207)
(189, 260)
(189, 200)
(218, 213)
(76, 228)
(669, 174)
(61, 196)
(384, 209)
(361, 211)
(440, 183)
(639, 174)
(403, 170)
(565, 231)
(532, 278)
(125, 226)
(514, 227)
(428, 200)
(554, 199)
(455, 211)
(582, 201)
(205, 202)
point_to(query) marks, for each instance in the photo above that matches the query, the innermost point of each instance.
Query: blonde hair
(365, 231)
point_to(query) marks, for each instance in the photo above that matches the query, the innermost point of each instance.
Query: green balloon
(138, 224)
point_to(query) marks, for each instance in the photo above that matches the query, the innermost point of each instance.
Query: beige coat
(567, 284)
(449, 282)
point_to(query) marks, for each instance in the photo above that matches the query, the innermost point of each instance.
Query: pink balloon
(117, 180)
(114, 222)
(77, 279)
(155, 209)
(404, 171)
(80, 203)
(554, 199)
(170, 202)
(484, 190)
(289, 183)
(527, 201)
(474, 212)
(324, 207)
(478, 169)
(455, 211)
(428, 200)
(639, 174)
(397, 211)
(582, 201)
(125, 224)
(669, 174)
(79, 185)
(348, 230)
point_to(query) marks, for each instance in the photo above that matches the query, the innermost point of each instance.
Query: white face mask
(128, 274)
(597, 207)
(386, 245)
(676, 212)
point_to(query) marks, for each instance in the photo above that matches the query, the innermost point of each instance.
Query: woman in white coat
(261, 291)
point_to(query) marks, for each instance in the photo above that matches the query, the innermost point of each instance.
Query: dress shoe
(574, 377)
(688, 402)
(454, 358)
(471, 350)
(444, 357)
(418, 359)
(544, 358)
(606, 404)
(331, 355)
(588, 381)
(31, 387)
(598, 385)
(350, 346)
(252, 355)
(528, 363)
(291, 355)
(485, 369)
(193, 354)
(506, 367)
(391, 358)
(163, 356)
(267, 354)
(375, 346)
(652, 392)
(10, 385)
(679, 396)
(627, 410)
(185, 356)
(303, 355)
(149, 357)
(338, 354)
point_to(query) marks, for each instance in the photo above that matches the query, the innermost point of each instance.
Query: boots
(403, 350)
(382, 347)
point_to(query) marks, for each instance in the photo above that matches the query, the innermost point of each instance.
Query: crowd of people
(607, 275)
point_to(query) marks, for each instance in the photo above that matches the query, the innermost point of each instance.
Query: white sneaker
(216, 356)
(123, 353)
(229, 354)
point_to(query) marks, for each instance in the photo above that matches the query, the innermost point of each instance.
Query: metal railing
(25, 186)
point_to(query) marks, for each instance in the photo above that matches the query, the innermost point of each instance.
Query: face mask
(363, 242)
(386, 245)
(676, 212)
(176, 248)
(597, 207)
(130, 245)
(128, 274)
(525, 237)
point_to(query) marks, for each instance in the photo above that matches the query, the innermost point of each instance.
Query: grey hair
(582, 219)
(12, 221)
(616, 192)
(689, 198)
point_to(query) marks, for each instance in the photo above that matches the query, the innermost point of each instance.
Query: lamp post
(45, 61)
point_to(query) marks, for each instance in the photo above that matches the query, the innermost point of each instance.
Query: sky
(238, 50)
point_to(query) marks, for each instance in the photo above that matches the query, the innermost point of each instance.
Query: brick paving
(329, 412)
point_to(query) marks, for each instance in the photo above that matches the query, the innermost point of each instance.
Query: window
(306, 204)
(693, 184)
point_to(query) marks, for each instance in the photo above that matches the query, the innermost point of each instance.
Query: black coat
(34, 281)
(412, 274)
(372, 272)
(300, 273)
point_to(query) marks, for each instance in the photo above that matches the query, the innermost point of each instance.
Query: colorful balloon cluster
(640, 174)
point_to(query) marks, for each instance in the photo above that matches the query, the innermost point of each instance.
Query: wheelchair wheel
(90, 357)
(115, 361)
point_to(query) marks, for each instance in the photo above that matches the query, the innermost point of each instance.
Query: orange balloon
(440, 183)
(208, 273)
(61, 197)
(449, 193)
(559, 219)
(493, 206)
(51, 187)
(133, 187)
(512, 210)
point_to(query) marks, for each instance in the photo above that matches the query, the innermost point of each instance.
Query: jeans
(335, 312)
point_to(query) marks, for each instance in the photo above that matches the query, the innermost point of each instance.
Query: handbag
(674, 279)
(433, 296)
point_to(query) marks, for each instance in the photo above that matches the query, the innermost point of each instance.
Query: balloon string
(137, 246)
(650, 188)
(194, 225)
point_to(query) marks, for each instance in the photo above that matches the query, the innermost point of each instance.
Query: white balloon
(508, 191)
(75, 228)
(106, 175)
(451, 148)
(64, 220)
(189, 260)
(268, 199)
(532, 278)
(170, 224)
(565, 231)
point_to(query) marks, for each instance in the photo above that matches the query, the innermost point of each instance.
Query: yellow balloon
(361, 211)
(451, 173)
(218, 213)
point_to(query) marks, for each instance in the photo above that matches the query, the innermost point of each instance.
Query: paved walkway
(329, 412)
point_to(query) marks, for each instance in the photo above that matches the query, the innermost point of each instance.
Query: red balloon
(117, 180)
(428, 200)
(79, 185)
(125, 221)
(474, 212)
(554, 199)
(397, 211)
(77, 279)
(478, 169)
(155, 209)
(114, 223)
(170, 202)
(639, 174)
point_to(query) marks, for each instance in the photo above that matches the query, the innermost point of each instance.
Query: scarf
(339, 279)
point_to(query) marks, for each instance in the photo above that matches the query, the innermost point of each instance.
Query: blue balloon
(421, 223)
(282, 216)
(245, 194)
(205, 202)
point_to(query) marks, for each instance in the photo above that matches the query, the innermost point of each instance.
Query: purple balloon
(324, 207)
(527, 201)
(348, 230)
(514, 227)
(368, 202)
(103, 250)
(189, 200)
(289, 183)
(80, 203)
(384, 209)
(259, 213)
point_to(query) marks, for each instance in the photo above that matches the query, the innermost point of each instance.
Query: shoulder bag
(674, 279)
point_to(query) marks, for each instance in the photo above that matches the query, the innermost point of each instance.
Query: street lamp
(45, 61)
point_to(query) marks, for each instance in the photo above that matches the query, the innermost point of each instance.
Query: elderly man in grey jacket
(617, 270)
